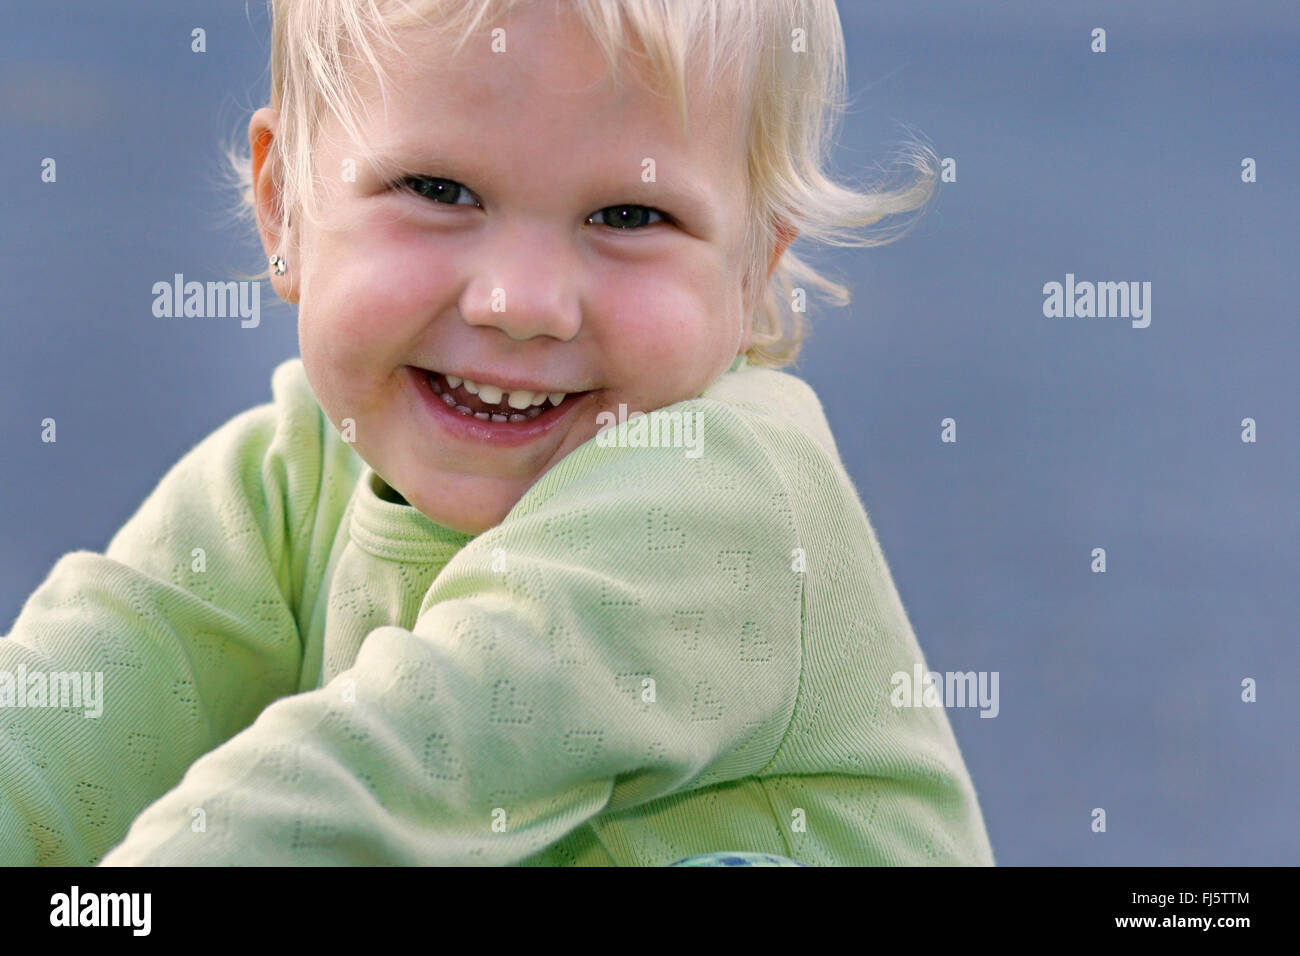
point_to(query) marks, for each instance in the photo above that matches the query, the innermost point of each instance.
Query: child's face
(500, 278)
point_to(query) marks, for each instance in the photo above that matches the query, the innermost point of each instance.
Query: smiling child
(441, 616)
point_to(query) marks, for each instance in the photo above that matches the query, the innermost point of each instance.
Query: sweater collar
(399, 532)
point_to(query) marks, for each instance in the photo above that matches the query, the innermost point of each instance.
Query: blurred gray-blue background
(1118, 690)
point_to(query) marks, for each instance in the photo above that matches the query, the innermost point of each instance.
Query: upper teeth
(491, 394)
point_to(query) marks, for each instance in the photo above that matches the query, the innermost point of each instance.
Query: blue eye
(446, 191)
(629, 217)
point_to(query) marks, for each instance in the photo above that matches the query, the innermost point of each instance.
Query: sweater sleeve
(632, 629)
(185, 624)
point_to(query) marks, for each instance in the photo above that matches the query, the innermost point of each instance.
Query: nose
(525, 287)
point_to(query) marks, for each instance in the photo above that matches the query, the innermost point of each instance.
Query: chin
(467, 520)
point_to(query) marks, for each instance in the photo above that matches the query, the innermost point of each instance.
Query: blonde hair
(798, 98)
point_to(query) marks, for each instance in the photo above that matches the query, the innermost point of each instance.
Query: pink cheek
(368, 313)
(649, 317)
(358, 331)
(675, 342)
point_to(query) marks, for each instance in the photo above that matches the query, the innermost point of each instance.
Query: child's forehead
(610, 137)
(547, 62)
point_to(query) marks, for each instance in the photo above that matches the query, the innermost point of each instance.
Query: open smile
(485, 412)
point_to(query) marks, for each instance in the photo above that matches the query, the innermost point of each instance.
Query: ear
(784, 236)
(267, 200)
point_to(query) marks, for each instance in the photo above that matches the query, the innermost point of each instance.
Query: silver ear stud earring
(277, 265)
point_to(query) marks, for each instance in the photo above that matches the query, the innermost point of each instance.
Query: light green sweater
(654, 655)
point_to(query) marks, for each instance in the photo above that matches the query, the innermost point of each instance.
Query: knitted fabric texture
(630, 669)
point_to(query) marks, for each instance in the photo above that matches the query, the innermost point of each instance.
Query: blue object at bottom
(724, 858)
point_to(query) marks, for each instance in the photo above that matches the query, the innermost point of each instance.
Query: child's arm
(187, 618)
(643, 638)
